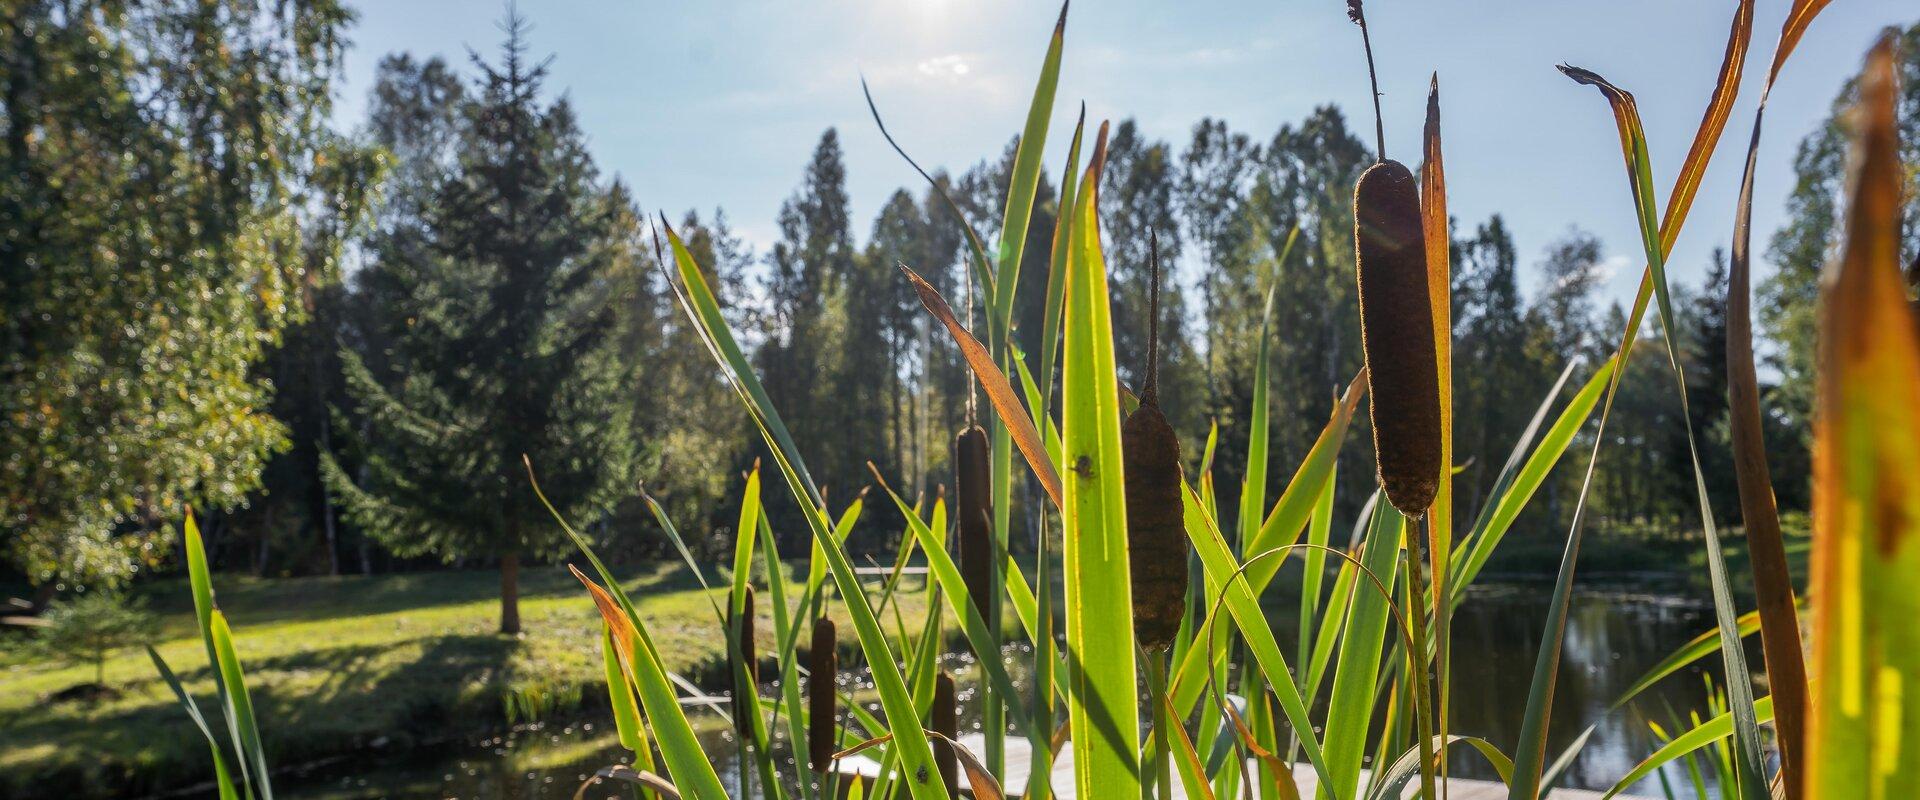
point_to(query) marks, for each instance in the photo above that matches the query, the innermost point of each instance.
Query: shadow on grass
(366, 699)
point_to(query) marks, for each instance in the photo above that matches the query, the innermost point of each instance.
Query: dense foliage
(832, 326)
(169, 197)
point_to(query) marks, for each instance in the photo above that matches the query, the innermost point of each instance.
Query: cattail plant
(1156, 535)
(1396, 322)
(944, 719)
(973, 485)
(823, 665)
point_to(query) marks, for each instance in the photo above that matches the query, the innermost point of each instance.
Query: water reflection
(1611, 638)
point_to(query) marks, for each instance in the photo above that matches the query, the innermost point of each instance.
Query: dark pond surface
(1612, 637)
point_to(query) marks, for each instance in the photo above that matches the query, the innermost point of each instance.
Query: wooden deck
(1018, 761)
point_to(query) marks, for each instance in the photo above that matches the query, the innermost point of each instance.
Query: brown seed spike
(1156, 532)
(823, 664)
(743, 710)
(1396, 334)
(944, 719)
(973, 482)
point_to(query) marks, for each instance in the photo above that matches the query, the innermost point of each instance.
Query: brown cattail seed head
(823, 664)
(743, 710)
(944, 719)
(973, 483)
(1156, 532)
(1396, 333)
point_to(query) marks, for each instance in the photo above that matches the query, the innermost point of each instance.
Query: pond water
(1612, 637)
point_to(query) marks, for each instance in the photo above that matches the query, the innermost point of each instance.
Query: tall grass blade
(200, 583)
(1438, 229)
(1100, 648)
(1025, 183)
(1057, 272)
(1312, 479)
(1244, 609)
(972, 623)
(1350, 706)
(222, 780)
(241, 703)
(999, 390)
(1773, 584)
(1391, 783)
(1747, 758)
(686, 762)
(1863, 739)
(1659, 239)
(703, 310)
(1714, 729)
(786, 632)
(1519, 479)
(626, 714)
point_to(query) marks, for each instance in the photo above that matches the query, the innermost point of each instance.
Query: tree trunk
(510, 593)
(266, 541)
(43, 595)
(326, 504)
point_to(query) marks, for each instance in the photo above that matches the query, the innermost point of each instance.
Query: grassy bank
(335, 665)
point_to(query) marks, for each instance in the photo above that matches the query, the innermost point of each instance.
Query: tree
(159, 169)
(1215, 171)
(1802, 247)
(689, 412)
(1138, 206)
(1311, 167)
(1563, 311)
(1495, 374)
(1704, 349)
(804, 356)
(90, 627)
(509, 346)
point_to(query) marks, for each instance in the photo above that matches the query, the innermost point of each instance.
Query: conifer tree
(509, 349)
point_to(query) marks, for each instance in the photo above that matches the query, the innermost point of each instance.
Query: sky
(699, 105)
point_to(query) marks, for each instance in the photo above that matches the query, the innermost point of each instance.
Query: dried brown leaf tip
(1397, 336)
(823, 664)
(1156, 532)
(973, 481)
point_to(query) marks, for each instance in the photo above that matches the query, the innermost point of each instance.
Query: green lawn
(338, 664)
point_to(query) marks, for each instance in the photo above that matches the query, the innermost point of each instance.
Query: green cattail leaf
(626, 714)
(1101, 669)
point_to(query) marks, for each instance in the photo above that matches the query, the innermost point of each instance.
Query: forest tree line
(364, 331)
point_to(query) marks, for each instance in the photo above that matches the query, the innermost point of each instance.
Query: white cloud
(951, 67)
(1609, 267)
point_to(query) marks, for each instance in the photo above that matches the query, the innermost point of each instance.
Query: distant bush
(90, 627)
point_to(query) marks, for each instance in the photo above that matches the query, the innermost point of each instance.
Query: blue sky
(700, 105)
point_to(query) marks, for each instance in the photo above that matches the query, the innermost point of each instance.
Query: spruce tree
(509, 346)
(805, 354)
